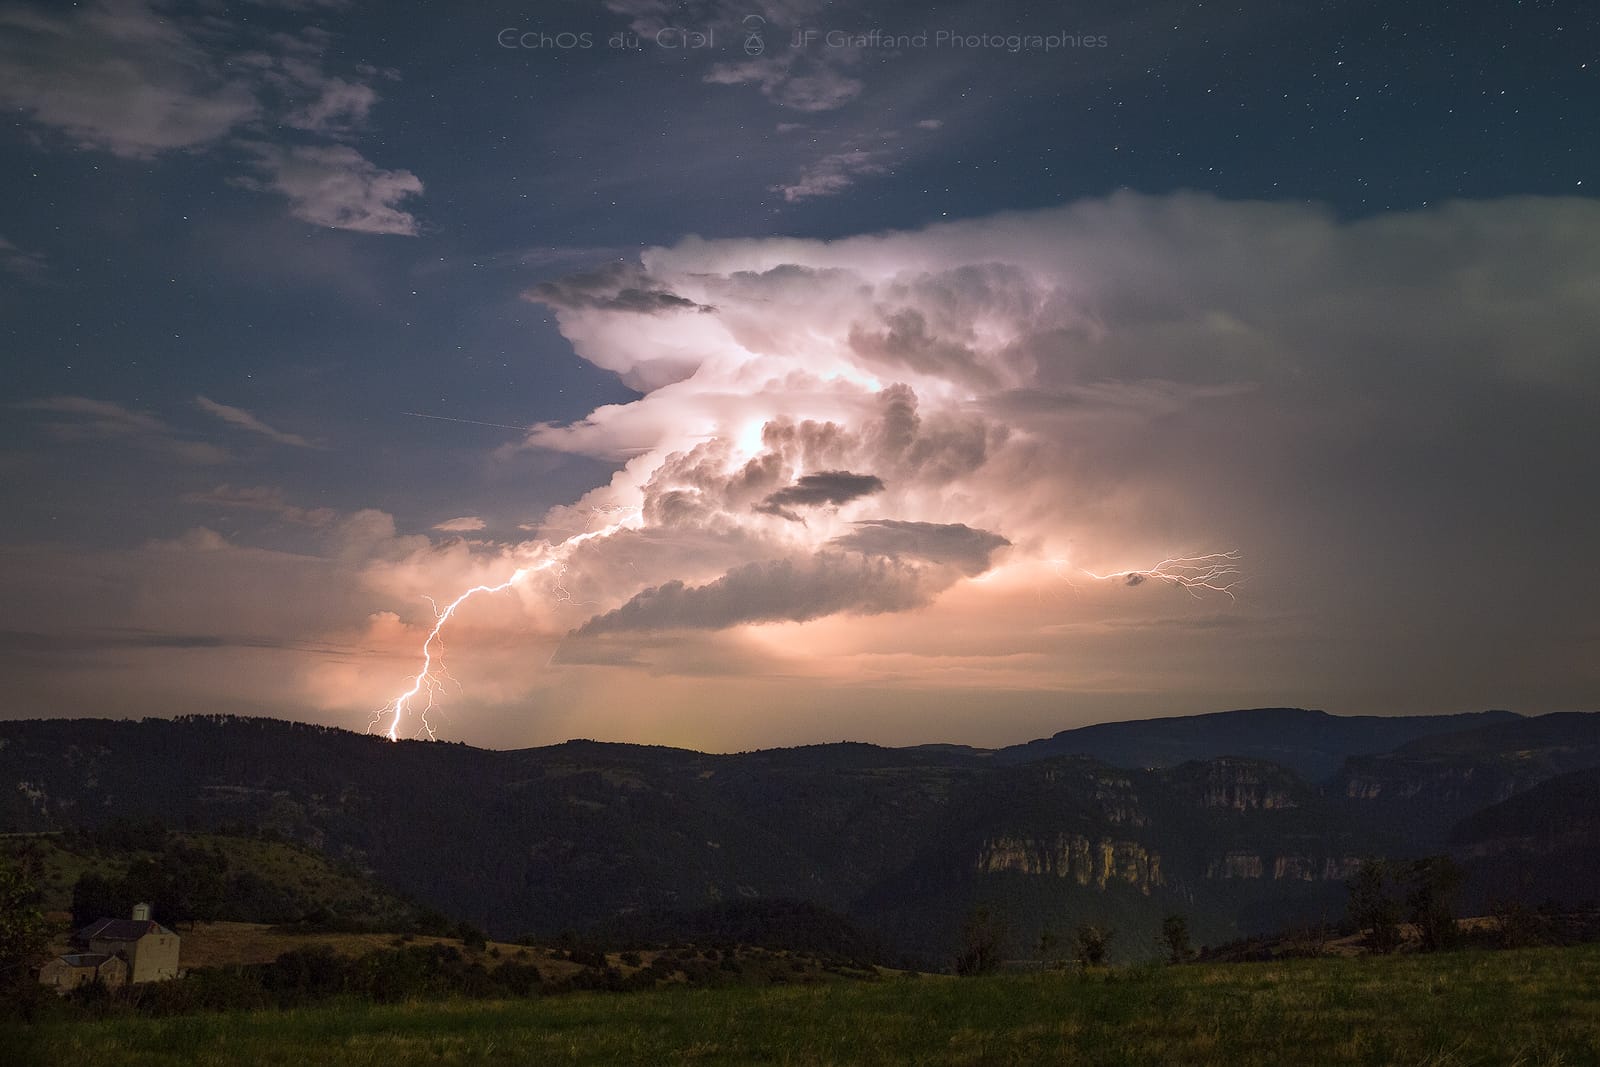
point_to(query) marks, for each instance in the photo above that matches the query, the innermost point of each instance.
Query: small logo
(754, 44)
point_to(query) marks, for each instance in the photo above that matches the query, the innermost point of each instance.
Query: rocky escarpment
(1394, 780)
(1245, 785)
(1247, 865)
(1237, 785)
(1432, 783)
(1087, 862)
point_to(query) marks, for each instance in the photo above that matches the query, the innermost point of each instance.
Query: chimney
(141, 913)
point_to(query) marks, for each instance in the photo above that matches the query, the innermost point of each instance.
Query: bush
(1094, 944)
(1434, 882)
(1175, 934)
(1373, 908)
(982, 936)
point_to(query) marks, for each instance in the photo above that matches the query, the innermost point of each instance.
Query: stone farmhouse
(119, 952)
(66, 973)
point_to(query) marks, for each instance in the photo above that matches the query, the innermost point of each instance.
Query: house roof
(84, 959)
(120, 929)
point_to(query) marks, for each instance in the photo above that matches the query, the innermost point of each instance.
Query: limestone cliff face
(1478, 784)
(1118, 802)
(1293, 868)
(1245, 786)
(1112, 792)
(1087, 862)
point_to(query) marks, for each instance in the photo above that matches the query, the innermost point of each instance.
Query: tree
(1434, 882)
(982, 936)
(1049, 947)
(24, 934)
(1373, 908)
(1175, 933)
(97, 897)
(1518, 925)
(1094, 944)
(471, 937)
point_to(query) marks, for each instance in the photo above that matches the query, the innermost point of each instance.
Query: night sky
(804, 371)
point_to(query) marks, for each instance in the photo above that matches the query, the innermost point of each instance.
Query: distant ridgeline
(1243, 821)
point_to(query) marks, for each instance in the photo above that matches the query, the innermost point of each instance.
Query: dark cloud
(618, 287)
(20, 262)
(823, 487)
(86, 419)
(884, 566)
(30, 643)
(139, 79)
(946, 544)
(784, 590)
(269, 499)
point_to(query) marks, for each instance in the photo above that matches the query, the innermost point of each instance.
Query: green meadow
(1529, 1007)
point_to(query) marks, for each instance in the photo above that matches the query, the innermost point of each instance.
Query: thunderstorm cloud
(970, 419)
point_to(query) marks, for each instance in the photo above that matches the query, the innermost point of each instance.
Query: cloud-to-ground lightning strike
(430, 679)
(1217, 572)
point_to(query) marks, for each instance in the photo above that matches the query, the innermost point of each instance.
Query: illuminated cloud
(464, 524)
(832, 174)
(337, 187)
(339, 107)
(1102, 386)
(242, 419)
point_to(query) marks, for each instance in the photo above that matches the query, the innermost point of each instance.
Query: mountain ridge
(905, 841)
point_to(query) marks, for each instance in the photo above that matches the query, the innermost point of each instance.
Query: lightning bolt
(1216, 572)
(429, 682)
(431, 678)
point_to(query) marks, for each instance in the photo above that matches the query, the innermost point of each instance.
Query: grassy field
(1530, 1007)
(221, 944)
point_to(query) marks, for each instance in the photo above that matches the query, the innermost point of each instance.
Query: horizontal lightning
(1216, 572)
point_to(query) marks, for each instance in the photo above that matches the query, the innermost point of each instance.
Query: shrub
(1094, 944)
(982, 937)
(1175, 934)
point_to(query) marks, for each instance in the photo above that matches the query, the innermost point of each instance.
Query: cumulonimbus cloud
(1055, 379)
(1375, 413)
